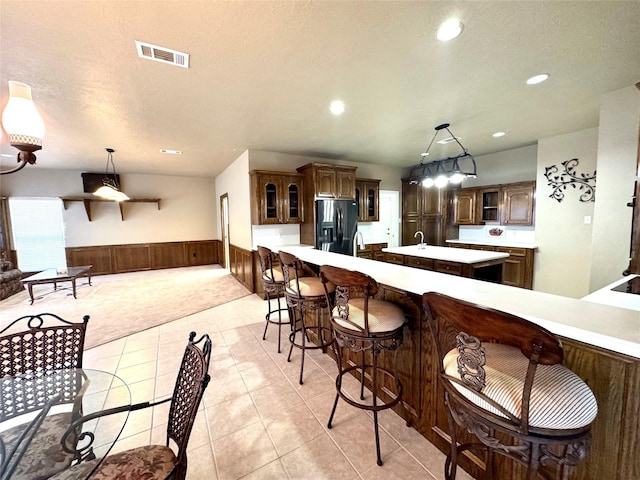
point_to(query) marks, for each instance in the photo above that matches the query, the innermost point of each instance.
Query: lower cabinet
(372, 251)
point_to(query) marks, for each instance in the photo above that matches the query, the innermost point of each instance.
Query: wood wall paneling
(168, 255)
(101, 257)
(132, 258)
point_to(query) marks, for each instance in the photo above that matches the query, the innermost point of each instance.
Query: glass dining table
(47, 420)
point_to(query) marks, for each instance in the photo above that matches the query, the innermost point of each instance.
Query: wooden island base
(613, 377)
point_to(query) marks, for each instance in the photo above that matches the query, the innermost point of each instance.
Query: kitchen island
(478, 264)
(601, 342)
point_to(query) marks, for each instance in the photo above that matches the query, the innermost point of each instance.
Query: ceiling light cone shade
(21, 119)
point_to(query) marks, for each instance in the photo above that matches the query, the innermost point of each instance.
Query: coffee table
(52, 276)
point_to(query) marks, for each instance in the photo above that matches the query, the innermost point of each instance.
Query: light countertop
(496, 242)
(607, 296)
(449, 254)
(612, 328)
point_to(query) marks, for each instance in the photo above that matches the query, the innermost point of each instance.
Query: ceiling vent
(162, 54)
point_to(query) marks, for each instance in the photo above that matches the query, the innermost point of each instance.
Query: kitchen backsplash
(275, 235)
(511, 233)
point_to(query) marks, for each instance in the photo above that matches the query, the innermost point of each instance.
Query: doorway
(390, 216)
(224, 219)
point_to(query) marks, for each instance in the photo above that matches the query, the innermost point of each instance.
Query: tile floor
(255, 420)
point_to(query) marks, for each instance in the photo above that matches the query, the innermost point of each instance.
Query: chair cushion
(559, 398)
(44, 456)
(309, 287)
(383, 316)
(277, 275)
(148, 462)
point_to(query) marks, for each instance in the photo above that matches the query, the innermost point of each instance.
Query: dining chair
(48, 343)
(366, 327)
(504, 383)
(157, 461)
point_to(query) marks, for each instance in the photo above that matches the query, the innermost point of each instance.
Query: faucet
(421, 245)
(358, 241)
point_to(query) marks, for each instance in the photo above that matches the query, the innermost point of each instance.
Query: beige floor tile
(137, 373)
(277, 396)
(398, 466)
(200, 432)
(200, 464)
(356, 438)
(139, 356)
(321, 408)
(106, 364)
(292, 427)
(231, 416)
(316, 382)
(271, 471)
(243, 452)
(318, 459)
(225, 388)
(261, 375)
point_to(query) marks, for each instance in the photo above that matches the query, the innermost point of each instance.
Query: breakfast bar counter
(601, 343)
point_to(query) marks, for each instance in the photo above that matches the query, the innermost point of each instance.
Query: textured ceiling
(262, 75)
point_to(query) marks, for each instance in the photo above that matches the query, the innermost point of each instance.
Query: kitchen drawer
(394, 258)
(447, 267)
(419, 262)
(516, 252)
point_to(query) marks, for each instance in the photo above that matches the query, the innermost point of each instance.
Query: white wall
(516, 165)
(562, 263)
(186, 209)
(617, 154)
(234, 181)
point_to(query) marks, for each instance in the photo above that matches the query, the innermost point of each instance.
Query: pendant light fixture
(110, 190)
(23, 124)
(450, 170)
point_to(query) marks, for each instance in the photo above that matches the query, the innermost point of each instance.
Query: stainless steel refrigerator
(336, 225)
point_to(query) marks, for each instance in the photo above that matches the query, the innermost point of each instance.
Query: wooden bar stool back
(305, 295)
(273, 281)
(504, 383)
(366, 326)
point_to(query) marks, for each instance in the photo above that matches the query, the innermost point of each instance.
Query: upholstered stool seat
(363, 327)
(559, 398)
(504, 382)
(274, 284)
(305, 295)
(383, 316)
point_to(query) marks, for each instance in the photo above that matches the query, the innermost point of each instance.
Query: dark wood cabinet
(508, 204)
(372, 251)
(368, 199)
(518, 204)
(423, 209)
(276, 197)
(330, 181)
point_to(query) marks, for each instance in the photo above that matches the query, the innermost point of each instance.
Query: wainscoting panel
(242, 266)
(145, 256)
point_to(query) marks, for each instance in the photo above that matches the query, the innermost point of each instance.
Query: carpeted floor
(125, 303)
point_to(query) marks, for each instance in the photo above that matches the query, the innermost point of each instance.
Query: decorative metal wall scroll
(569, 177)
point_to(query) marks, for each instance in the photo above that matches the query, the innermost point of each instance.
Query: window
(38, 233)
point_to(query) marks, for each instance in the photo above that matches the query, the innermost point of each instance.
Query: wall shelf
(87, 203)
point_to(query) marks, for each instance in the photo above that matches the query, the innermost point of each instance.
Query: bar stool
(273, 281)
(504, 374)
(304, 294)
(363, 324)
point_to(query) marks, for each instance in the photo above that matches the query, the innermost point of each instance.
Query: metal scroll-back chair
(157, 461)
(49, 343)
(504, 382)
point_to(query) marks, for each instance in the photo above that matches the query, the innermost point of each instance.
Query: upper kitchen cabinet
(331, 181)
(276, 197)
(518, 203)
(464, 206)
(509, 204)
(368, 199)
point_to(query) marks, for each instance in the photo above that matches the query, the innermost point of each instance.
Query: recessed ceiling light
(449, 30)
(499, 134)
(337, 107)
(172, 152)
(537, 79)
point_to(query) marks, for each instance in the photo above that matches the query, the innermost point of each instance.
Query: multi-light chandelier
(450, 170)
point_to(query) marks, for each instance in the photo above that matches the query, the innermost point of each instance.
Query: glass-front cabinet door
(270, 204)
(293, 211)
